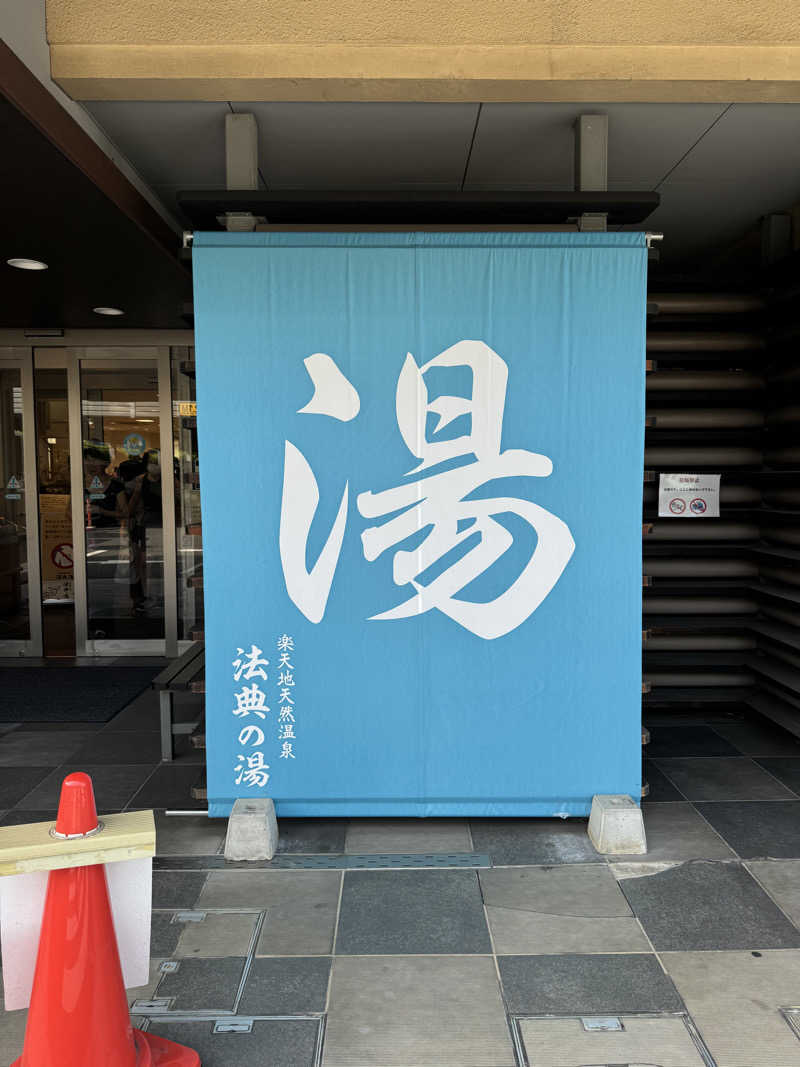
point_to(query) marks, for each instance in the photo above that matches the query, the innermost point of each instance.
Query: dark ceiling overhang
(66, 203)
(415, 208)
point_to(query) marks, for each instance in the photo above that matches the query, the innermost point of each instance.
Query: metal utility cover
(663, 1041)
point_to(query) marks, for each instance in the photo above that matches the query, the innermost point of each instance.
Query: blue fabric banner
(421, 472)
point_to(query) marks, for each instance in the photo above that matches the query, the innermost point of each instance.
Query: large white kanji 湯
(442, 500)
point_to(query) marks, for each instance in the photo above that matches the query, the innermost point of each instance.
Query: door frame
(22, 359)
(110, 355)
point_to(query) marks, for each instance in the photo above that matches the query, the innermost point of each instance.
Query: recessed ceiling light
(108, 311)
(27, 264)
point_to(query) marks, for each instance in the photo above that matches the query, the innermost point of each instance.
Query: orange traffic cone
(79, 1011)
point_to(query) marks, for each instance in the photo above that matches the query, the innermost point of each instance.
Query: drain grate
(613, 1041)
(327, 862)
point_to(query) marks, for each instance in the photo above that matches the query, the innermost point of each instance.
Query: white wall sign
(688, 496)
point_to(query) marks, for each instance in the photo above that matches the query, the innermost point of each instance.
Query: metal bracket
(650, 237)
(233, 1026)
(188, 238)
(240, 221)
(605, 1023)
(593, 222)
(152, 1007)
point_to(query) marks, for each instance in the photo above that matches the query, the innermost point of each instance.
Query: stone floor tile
(781, 879)
(722, 778)
(203, 985)
(521, 932)
(586, 985)
(527, 841)
(759, 738)
(17, 782)
(574, 908)
(228, 934)
(143, 713)
(708, 906)
(31, 748)
(12, 1034)
(113, 747)
(272, 1042)
(164, 934)
(286, 986)
(417, 911)
(301, 907)
(177, 889)
(675, 741)
(662, 790)
(170, 786)
(188, 835)
(677, 832)
(421, 1010)
(582, 890)
(311, 835)
(786, 769)
(757, 829)
(734, 998)
(114, 786)
(407, 836)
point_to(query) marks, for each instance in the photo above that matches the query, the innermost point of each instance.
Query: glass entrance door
(89, 478)
(124, 483)
(105, 501)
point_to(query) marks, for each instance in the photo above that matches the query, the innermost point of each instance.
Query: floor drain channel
(324, 862)
(387, 861)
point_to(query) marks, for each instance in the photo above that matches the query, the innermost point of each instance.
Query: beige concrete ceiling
(464, 50)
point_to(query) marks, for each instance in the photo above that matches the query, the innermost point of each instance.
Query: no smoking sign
(62, 556)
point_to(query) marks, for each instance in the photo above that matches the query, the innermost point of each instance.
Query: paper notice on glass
(688, 496)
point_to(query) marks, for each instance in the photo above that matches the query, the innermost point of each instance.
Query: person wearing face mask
(145, 509)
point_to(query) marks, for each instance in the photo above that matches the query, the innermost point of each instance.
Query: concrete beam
(265, 70)
(241, 151)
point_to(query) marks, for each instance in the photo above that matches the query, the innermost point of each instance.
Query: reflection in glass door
(19, 563)
(127, 490)
(55, 511)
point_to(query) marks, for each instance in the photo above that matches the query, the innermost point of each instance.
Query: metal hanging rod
(188, 238)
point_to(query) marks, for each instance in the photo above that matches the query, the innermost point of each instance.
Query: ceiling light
(27, 264)
(108, 311)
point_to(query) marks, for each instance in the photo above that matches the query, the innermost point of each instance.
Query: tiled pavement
(695, 947)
